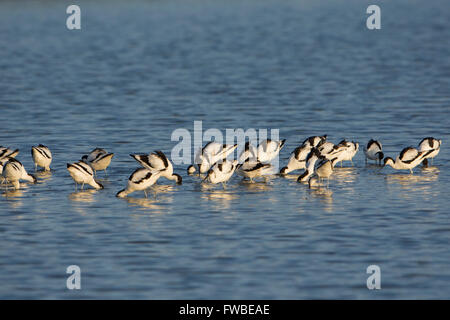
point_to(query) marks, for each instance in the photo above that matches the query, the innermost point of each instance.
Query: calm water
(138, 71)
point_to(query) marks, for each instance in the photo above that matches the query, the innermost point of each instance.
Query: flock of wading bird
(316, 156)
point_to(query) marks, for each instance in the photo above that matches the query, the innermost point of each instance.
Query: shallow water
(138, 71)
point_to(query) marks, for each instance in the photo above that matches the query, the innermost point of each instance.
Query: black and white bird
(98, 159)
(297, 160)
(337, 152)
(83, 174)
(374, 150)
(254, 170)
(269, 149)
(351, 148)
(2, 163)
(325, 148)
(42, 157)
(14, 171)
(207, 156)
(250, 167)
(315, 141)
(8, 153)
(140, 180)
(324, 169)
(94, 154)
(313, 156)
(157, 161)
(428, 144)
(249, 153)
(221, 172)
(408, 159)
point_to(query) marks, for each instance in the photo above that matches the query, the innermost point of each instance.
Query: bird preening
(316, 158)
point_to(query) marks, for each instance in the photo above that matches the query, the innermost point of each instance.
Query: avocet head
(99, 185)
(121, 194)
(283, 170)
(33, 177)
(380, 155)
(179, 179)
(388, 161)
(191, 169)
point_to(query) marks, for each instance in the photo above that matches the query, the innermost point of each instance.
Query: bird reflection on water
(345, 175)
(43, 176)
(14, 197)
(86, 196)
(159, 196)
(147, 203)
(221, 199)
(410, 186)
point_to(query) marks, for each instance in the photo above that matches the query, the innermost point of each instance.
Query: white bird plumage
(157, 161)
(313, 156)
(254, 170)
(6, 152)
(351, 148)
(269, 149)
(98, 159)
(323, 170)
(140, 180)
(42, 157)
(428, 144)
(297, 160)
(408, 159)
(14, 171)
(337, 152)
(2, 163)
(207, 156)
(374, 150)
(249, 153)
(315, 141)
(83, 174)
(221, 172)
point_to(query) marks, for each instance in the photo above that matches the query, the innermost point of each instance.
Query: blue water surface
(138, 70)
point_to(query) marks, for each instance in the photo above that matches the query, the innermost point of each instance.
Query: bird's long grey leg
(145, 192)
